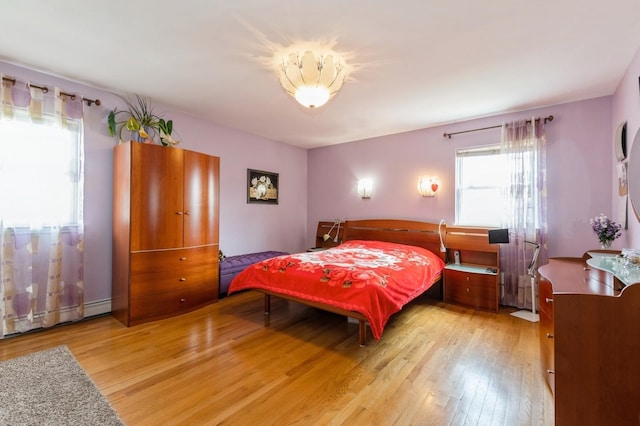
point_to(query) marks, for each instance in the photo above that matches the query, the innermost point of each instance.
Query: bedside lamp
(501, 236)
(327, 236)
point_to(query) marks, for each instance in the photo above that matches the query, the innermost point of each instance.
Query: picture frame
(262, 187)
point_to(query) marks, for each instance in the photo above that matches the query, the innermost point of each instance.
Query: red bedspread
(373, 278)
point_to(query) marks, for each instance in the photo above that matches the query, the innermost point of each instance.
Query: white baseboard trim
(91, 309)
(97, 307)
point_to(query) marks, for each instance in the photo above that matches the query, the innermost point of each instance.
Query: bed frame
(421, 234)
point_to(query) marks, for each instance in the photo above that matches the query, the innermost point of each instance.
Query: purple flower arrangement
(606, 229)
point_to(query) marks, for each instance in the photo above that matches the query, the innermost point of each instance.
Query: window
(40, 173)
(479, 183)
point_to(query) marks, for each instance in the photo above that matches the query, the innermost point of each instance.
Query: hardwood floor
(436, 364)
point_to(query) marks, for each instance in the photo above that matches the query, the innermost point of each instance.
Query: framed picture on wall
(262, 187)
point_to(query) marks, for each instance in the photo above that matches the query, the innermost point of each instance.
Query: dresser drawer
(168, 260)
(547, 343)
(467, 288)
(545, 296)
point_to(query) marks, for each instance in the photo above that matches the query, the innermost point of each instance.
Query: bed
(382, 265)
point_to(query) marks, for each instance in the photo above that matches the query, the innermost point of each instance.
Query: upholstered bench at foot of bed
(233, 265)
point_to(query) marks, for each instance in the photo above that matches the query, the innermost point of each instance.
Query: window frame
(461, 217)
(74, 171)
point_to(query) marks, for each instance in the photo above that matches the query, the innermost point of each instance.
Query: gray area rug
(51, 388)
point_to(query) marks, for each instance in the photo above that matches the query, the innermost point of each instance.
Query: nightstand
(474, 282)
(471, 285)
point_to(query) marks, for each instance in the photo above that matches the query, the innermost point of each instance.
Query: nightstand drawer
(473, 289)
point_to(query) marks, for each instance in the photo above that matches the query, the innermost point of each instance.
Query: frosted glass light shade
(365, 188)
(312, 97)
(312, 79)
(428, 186)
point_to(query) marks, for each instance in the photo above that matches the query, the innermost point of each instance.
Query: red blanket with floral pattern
(373, 278)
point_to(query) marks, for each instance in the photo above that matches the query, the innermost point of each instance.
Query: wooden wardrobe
(165, 231)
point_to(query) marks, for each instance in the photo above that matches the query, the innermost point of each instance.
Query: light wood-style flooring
(228, 363)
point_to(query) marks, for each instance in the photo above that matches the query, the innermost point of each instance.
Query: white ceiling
(419, 63)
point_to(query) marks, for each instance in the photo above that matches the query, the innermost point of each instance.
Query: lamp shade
(312, 78)
(428, 186)
(365, 187)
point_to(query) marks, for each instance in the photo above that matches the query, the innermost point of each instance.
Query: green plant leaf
(111, 120)
(132, 125)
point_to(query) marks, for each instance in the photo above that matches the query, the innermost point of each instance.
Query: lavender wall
(243, 227)
(626, 107)
(578, 161)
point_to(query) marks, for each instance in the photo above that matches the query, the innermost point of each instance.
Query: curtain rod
(448, 135)
(45, 89)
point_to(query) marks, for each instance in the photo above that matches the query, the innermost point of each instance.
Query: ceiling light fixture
(311, 78)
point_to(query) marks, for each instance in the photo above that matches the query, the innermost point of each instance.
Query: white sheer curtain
(41, 223)
(524, 145)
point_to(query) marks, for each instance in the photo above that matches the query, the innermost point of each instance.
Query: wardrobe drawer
(163, 305)
(174, 280)
(168, 260)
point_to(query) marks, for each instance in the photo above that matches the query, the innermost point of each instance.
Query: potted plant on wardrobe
(142, 123)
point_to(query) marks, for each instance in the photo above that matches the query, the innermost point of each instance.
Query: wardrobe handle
(549, 336)
(183, 279)
(179, 213)
(183, 300)
(183, 258)
(187, 212)
(548, 299)
(551, 372)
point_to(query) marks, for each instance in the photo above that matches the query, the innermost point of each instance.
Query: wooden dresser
(165, 231)
(473, 282)
(590, 343)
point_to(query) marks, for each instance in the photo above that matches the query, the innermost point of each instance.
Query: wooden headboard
(473, 245)
(421, 234)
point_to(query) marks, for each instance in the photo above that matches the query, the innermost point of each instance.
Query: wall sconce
(365, 187)
(428, 186)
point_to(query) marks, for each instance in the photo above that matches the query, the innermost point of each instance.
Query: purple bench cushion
(233, 265)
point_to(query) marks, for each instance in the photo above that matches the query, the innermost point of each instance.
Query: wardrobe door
(156, 197)
(201, 176)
